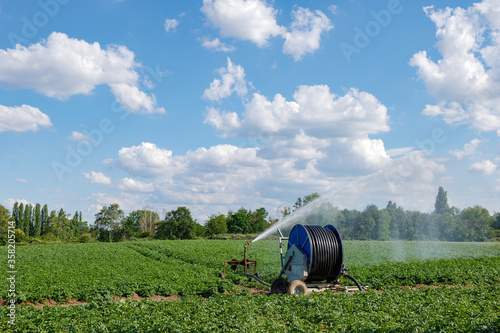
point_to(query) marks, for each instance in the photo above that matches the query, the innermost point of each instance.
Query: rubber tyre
(279, 286)
(297, 287)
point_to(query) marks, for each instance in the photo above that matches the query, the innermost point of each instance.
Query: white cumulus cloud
(146, 160)
(305, 34)
(77, 136)
(466, 81)
(232, 81)
(485, 167)
(315, 110)
(97, 178)
(216, 45)
(22, 118)
(253, 20)
(170, 24)
(61, 66)
(469, 149)
(132, 185)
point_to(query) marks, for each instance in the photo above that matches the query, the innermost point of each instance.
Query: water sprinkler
(234, 263)
(313, 262)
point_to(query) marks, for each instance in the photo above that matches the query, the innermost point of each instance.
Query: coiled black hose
(326, 254)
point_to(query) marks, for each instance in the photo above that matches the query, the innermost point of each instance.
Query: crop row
(399, 310)
(98, 270)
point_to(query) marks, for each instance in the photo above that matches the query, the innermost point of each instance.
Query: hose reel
(314, 254)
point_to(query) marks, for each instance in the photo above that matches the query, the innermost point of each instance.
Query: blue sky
(220, 104)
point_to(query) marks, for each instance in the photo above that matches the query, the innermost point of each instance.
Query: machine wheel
(297, 287)
(222, 276)
(279, 286)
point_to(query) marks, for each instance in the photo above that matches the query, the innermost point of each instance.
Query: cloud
(232, 81)
(216, 45)
(10, 202)
(255, 21)
(170, 24)
(77, 136)
(306, 29)
(132, 185)
(97, 178)
(484, 167)
(469, 149)
(466, 81)
(127, 201)
(146, 160)
(22, 181)
(22, 118)
(135, 100)
(61, 67)
(252, 20)
(315, 110)
(371, 151)
(301, 146)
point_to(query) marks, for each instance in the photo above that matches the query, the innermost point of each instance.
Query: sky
(221, 104)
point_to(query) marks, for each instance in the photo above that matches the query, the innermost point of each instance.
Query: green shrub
(85, 238)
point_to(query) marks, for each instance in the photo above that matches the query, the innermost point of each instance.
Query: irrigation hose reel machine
(314, 255)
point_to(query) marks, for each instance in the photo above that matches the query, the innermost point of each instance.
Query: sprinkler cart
(313, 262)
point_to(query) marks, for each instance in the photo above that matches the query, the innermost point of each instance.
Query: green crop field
(414, 286)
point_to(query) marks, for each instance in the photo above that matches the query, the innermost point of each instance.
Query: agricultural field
(414, 286)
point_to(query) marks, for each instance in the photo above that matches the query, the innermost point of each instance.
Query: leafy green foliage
(463, 292)
(216, 225)
(426, 310)
(178, 224)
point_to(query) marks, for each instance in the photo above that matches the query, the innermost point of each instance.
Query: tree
(216, 225)
(148, 220)
(51, 224)
(44, 218)
(441, 204)
(38, 221)
(108, 219)
(237, 223)
(477, 222)
(257, 220)
(5, 218)
(27, 219)
(304, 201)
(15, 213)
(140, 223)
(20, 217)
(383, 223)
(367, 225)
(63, 230)
(178, 224)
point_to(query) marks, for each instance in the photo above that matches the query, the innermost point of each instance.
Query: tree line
(112, 225)
(36, 221)
(445, 223)
(392, 222)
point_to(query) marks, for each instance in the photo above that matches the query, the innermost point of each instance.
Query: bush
(50, 237)
(20, 236)
(85, 238)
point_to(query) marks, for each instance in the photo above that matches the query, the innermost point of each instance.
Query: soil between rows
(158, 298)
